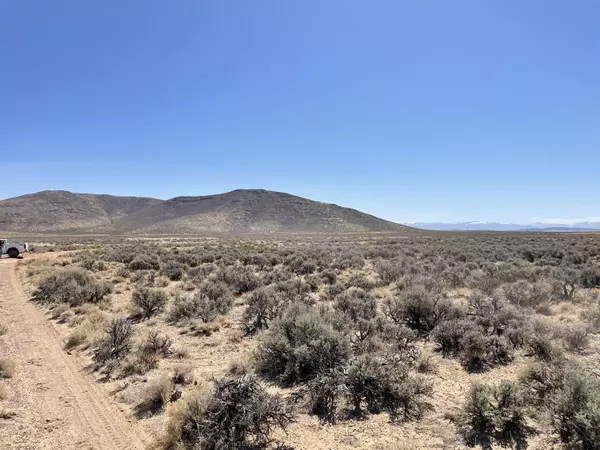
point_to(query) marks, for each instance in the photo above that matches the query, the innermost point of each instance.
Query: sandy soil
(57, 404)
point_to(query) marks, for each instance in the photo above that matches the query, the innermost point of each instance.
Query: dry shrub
(592, 317)
(161, 282)
(60, 311)
(576, 336)
(180, 353)
(183, 374)
(237, 368)
(183, 417)
(238, 413)
(156, 396)
(3, 329)
(426, 364)
(116, 342)
(87, 331)
(264, 306)
(148, 353)
(7, 368)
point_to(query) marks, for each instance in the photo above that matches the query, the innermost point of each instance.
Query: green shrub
(71, 286)
(525, 294)
(198, 306)
(264, 306)
(369, 384)
(144, 262)
(494, 415)
(357, 304)
(541, 380)
(149, 301)
(219, 293)
(449, 333)
(590, 277)
(576, 411)
(240, 279)
(576, 336)
(302, 344)
(388, 271)
(419, 309)
(173, 270)
(324, 393)
(467, 340)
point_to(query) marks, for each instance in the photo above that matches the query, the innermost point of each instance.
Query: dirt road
(57, 404)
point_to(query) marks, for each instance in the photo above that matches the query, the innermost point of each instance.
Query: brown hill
(239, 211)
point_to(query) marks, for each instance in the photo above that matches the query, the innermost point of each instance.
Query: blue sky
(413, 111)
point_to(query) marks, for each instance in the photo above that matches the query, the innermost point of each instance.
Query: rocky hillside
(239, 211)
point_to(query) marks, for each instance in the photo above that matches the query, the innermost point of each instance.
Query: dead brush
(576, 337)
(183, 374)
(426, 364)
(238, 368)
(150, 350)
(156, 396)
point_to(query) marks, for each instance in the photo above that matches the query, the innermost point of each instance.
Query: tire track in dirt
(57, 405)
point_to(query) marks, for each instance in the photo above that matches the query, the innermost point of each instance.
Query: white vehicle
(12, 249)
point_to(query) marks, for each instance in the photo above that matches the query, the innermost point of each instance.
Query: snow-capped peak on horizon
(548, 224)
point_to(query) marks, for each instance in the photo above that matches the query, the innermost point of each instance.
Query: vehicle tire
(13, 253)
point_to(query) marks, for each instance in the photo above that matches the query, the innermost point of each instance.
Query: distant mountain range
(240, 211)
(497, 226)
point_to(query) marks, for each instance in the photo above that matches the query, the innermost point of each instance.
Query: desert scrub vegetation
(348, 326)
(115, 345)
(494, 415)
(149, 301)
(73, 287)
(237, 414)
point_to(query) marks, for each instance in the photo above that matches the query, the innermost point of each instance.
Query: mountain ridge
(237, 211)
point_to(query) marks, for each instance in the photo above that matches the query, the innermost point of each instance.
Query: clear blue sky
(411, 110)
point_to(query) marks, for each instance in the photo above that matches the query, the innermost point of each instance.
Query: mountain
(239, 211)
(497, 226)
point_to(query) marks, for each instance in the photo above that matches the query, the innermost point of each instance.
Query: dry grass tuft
(238, 368)
(5, 414)
(183, 374)
(7, 368)
(155, 398)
